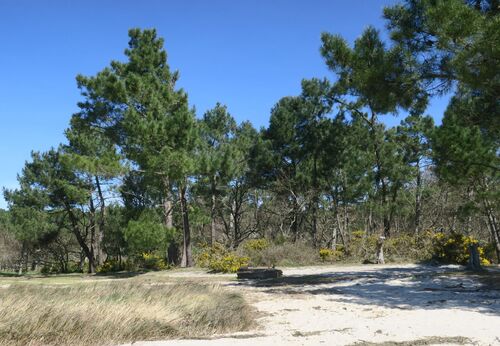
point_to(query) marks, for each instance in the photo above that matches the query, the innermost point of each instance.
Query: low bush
(219, 259)
(453, 247)
(286, 254)
(111, 265)
(145, 261)
(256, 244)
(409, 248)
(330, 255)
(50, 269)
(361, 246)
(152, 261)
(490, 252)
(400, 248)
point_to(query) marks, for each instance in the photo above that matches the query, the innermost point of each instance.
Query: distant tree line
(140, 172)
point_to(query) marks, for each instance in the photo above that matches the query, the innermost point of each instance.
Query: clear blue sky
(245, 54)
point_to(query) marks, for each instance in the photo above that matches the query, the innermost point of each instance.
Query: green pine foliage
(141, 178)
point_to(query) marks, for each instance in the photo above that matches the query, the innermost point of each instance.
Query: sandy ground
(366, 305)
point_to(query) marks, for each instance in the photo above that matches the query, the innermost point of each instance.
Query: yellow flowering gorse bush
(219, 259)
(330, 254)
(454, 248)
(256, 244)
(152, 261)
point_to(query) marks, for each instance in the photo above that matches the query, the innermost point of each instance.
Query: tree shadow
(420, 287)
(119, 275)
(9, 275)
(110, 275)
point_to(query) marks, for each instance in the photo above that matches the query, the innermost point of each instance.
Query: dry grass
(106, 313)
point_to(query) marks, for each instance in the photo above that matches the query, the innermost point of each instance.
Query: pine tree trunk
(88, 251)
(338, 226)
(493, 226)
(101, 225)
(387, 225)
(236, 224)
(379, 179)
(92, 264)
(213, 213)
(167, 205)
(315, 205)
(418, 201)
(91, 253)
(233, 228)
(314, 224)
(187, 258)
(468, 223)
(295, 219)
(370, 220)
(345, 231)
(22, 259)
(171, 253)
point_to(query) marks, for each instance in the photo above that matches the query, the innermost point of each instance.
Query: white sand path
(332, 305)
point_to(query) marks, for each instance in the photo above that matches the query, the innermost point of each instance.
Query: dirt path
(368, 305)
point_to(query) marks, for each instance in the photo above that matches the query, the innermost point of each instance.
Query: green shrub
(286, 254)
(57, 268)
(399, 248)
(151, 261)
(406, 247)
(219, 259)
(74, 267)
(361, 245)
(130, 265)
(50, 269)
(490, 252)
(109, 266)
(147, 234)
(145, 261)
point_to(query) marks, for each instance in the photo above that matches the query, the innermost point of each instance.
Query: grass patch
(106, 313)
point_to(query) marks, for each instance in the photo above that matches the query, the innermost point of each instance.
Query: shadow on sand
(422, 287)
(110, 275)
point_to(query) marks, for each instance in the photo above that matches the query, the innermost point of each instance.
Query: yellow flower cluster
(219, 259)
(153, 261)
(330, 255)
(454, 248)
(256, 244)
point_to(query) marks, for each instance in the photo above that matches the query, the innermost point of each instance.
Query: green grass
(92, 310)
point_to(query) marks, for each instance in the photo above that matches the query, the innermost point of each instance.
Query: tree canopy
(141, 173)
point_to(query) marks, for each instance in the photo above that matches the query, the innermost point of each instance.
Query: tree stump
(474, 259)
(380, 250)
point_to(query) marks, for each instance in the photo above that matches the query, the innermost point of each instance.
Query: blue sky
(245, 54)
